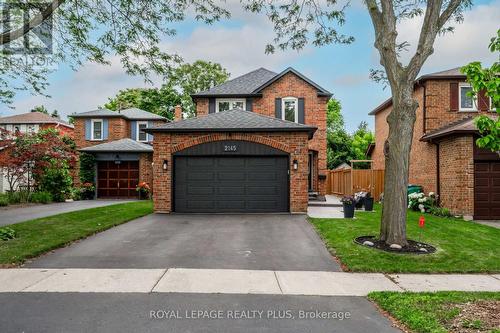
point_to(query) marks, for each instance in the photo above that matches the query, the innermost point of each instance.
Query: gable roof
(124, 145)
(252, 84)
(130, 114)
(233, 121)
(33, 118)
(453, 73)
(241, 85)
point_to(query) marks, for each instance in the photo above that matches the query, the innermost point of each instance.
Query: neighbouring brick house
(122, 150)
(31, 122)
(258, 144)
(444, 158)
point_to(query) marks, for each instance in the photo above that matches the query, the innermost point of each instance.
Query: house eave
(310, 130)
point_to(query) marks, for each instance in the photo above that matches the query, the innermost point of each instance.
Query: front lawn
(443, 311)
(41, 235)
(462, 246)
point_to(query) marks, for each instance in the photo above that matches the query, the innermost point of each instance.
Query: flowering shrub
(87, 190)
(420, 202)
(347, 199)
(144, 189)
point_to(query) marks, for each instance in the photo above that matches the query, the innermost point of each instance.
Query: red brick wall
(146, 169)
(63, 130)
(456, 163)
(422, 156)
(294, 143)
(118, 128)
(291, 85)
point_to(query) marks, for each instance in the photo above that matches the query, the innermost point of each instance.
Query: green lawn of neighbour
(442, 312)
(462, 246)
(41, 235)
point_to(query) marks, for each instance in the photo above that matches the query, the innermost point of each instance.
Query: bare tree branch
(8, 36)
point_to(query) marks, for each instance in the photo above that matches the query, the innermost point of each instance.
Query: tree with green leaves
(192, 78)
(93, 31)
(487, 80)
(159, 101)
(185, 80)
(300, 22)
(41, 109)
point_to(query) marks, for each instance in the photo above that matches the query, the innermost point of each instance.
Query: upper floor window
(226, 104)
(141, 135)
(467, 102)
(290, 109)
(96, 129)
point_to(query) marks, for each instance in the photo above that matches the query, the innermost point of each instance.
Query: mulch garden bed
(413, 247)
(481, 316)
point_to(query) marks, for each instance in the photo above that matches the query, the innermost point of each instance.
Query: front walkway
(11, 215)
(226, 281)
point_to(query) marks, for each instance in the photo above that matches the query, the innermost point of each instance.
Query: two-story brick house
(258, 144)
(122, 150)
(444, 158)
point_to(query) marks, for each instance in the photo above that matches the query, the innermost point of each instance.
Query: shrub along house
(258, 144)
(122, 149)
(444, 157)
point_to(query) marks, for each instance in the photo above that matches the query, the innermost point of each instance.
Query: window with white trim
(141, 135)
(96, 129)
(290, 109)
(226, 104)
(467, 102)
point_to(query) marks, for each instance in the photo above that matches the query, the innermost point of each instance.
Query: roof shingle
(233, 121)
(131, 114)
(123, 145)
(241, 85)
(33, 118)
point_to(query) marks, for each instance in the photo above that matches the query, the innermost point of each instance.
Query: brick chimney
(178, 113)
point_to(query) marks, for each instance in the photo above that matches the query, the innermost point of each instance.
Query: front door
(310, 172)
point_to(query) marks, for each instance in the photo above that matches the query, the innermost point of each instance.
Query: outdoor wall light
(117, 159)
(295, 164)
(165, 165)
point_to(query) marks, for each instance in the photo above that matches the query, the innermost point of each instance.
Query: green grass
(462, 246)
(428, 312)
(38, 236)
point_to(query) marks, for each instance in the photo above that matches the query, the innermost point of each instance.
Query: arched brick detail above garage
(231, 136)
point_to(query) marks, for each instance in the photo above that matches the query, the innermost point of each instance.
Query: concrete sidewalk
(226, 281)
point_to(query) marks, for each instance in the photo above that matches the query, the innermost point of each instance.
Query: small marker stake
(421, 225)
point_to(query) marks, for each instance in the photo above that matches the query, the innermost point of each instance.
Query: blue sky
(238, 44)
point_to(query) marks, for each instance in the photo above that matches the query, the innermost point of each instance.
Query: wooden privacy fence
(349, 181)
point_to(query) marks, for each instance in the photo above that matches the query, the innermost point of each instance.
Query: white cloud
(469, 42)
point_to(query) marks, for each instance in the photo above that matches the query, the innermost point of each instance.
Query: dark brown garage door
(487, 190)
(231, 184)
(117, 180)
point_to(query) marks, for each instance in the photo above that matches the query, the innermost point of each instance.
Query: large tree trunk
(397, 154)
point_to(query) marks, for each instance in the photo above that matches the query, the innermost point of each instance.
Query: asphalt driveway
(11, 215)
(259, 242)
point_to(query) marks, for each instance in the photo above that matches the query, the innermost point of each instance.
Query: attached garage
(487, 190)
(117, 179)
(230, 176)
(120, 165)
(218, 184)
(231, 162)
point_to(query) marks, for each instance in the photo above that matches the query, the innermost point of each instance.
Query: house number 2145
(230, 147)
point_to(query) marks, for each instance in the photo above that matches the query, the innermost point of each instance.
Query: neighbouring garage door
(117, 180)
(249, 184)
(486, 190)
